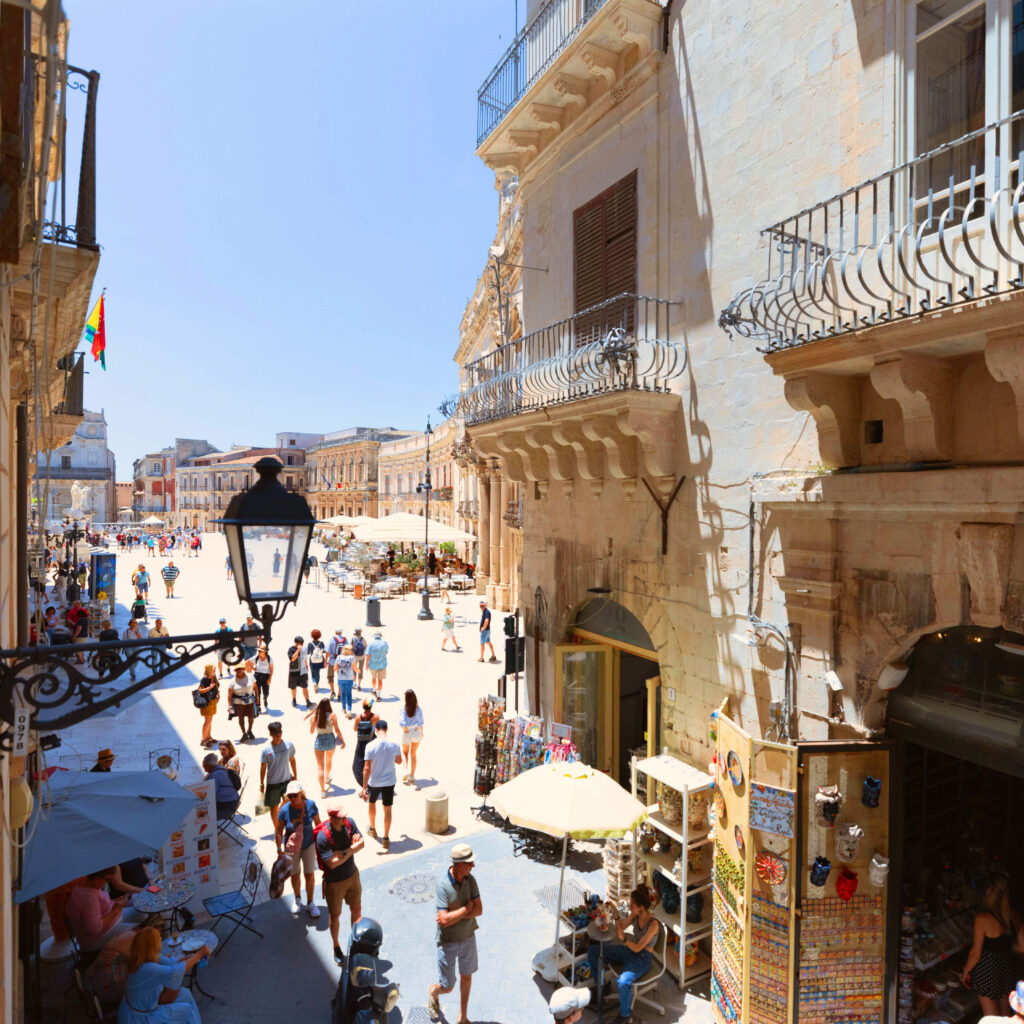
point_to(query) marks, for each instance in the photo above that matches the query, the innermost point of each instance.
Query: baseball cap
(378, 633)
(223, 620)
(293, 787)
(462, 853)
(339, 632)
(335, 810)
(565, 1000)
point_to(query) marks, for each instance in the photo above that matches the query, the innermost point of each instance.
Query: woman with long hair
(990, 968)
(638, 935)
(364, 730)
(229, 756)
(323, 723)
(153, 992)
(209, 687)
(411, 721)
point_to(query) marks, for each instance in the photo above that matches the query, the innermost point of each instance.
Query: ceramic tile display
(191, 851)
(769, 961)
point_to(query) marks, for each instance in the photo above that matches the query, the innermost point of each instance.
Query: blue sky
(290, 210)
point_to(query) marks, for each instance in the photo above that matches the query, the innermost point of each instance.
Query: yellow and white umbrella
(568, 800)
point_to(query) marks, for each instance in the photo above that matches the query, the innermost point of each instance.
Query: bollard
(437, 813)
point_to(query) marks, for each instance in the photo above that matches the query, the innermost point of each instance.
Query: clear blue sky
(290, 210)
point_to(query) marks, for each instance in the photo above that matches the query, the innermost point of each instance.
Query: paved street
(515, 925)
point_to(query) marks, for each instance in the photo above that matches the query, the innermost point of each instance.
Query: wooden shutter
(604, 250)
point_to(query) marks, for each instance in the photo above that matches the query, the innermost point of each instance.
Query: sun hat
(293, 787)
(566, 999)
(1017, 998)
(104, 754)
(462, 853)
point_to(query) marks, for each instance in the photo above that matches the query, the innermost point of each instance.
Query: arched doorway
(607, 687)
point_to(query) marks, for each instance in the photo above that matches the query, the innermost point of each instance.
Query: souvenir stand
(674, 847)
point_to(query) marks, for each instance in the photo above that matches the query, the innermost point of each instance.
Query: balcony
(576, 58)
(71, 472)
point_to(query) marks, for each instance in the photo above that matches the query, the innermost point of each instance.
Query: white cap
(293, 787)
(566, 1000)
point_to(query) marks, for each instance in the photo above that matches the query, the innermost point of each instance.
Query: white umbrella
(404, 526)
(568, 800)
(152, 521)
(347, 521)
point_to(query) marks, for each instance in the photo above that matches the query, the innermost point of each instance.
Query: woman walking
(411, 721)
(364, 730)
(316, 657)
(990, 968)
(448, 630)
(210, 688)
(242, 698)
(229, 756)
(262, 671)
(344, 664)
(324, 725)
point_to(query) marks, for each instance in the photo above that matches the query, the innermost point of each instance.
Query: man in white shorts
(297, 813)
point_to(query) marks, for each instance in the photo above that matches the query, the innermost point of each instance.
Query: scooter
(364, 994)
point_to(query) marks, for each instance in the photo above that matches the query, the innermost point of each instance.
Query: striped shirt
(170, 573)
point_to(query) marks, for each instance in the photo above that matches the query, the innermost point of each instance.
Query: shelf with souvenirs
(674, 843)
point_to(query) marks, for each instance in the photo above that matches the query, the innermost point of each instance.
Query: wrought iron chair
(653, 976)
(237, 906)
(166, 760)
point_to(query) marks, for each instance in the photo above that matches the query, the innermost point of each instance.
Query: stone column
(507, 490)
(483, 528)
(497, 511)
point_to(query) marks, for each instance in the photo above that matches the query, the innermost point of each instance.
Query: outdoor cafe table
(188, 943)
(461, 580)
(171, 897)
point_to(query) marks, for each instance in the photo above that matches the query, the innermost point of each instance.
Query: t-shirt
(414, 722)
(170, 573)
(290, 819)
(223, 791)
(261, 667)
(108, 634)
(451, 897)
(377, 654)
(344, 665)
(277, 759)
(334, 841)
(380, 755)
(297, 667)
(485, 619)
(159, 631)
(85, 910)
(142, 578)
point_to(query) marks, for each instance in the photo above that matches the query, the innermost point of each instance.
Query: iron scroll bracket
(664, 507)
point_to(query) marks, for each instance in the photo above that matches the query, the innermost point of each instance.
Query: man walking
(336, 848)
(380, 778)
(141, 580)
(334, 648)
(159, 629)
(277, 768)
(377, 662)
(485, 631)
(458, 907)
(358, 657)
(170, 573)
(298, 812)
(298, 673)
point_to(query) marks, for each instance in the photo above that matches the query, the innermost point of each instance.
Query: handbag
(200, 699)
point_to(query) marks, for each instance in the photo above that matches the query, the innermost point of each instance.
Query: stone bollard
(437, 813)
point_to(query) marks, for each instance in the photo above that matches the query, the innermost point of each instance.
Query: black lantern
(268, 530)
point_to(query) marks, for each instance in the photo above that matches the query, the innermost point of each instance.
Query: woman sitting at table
(153, 992)
(106, 976)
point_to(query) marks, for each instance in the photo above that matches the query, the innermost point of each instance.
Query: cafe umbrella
(110, 817)
(568, 800)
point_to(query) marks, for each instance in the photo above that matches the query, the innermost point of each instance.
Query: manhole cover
(418, 1015)
(418, 888)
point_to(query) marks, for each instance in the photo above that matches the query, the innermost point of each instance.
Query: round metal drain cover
(418, 888)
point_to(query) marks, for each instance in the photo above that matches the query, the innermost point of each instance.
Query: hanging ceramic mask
(872, 791)
(846, 884)
(848, 837)
(828, 800)
(878, 870)
(819, 870)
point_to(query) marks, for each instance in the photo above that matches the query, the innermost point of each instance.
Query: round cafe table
(188, 942)
(600, 936)
(171, 897)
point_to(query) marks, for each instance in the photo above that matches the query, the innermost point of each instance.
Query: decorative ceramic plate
(770, 868)
(732, 762)
(741, 845)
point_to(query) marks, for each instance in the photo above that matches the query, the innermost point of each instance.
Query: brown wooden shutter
(604, 249)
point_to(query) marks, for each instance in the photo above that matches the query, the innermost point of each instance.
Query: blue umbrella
(93, 820)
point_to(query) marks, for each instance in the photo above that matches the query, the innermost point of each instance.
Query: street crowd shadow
(404, 845)
(423, 784)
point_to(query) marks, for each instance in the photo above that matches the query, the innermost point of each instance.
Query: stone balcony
(573, 62)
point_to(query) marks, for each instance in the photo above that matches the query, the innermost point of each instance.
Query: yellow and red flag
(96, 334)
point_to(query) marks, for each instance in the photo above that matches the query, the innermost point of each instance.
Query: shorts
(448, 953)
(349, 891)
(359, 662)
(485, 636)
(305, 860)
(325, 741)
(386, 795)
(274, 794)
(449, 634)
(210, 710)
(414, 735)
(378, 673)
(294, 682)
(143, 588)
(243, 708)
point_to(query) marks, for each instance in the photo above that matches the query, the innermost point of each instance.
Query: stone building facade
(86, 461)
(342, 475)
(401, 467)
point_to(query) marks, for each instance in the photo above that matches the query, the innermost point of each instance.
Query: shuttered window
(604, 259)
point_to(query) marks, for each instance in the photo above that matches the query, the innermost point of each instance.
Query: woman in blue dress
(153, 993)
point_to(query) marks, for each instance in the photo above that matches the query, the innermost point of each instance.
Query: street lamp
(46, 688)
(424, 489)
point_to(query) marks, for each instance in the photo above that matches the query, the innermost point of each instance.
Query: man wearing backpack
(316, 658)
(358, 657)
(299, 813)
(337, 841)
(334, 648)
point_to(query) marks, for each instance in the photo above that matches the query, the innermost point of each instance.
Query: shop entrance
(607, 688)
(958, 719)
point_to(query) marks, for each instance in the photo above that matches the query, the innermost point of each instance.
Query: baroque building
(85, 461)
(401, 467)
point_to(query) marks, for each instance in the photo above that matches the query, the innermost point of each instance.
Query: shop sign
(772, 810)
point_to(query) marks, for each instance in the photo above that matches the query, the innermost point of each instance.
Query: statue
(79, 496)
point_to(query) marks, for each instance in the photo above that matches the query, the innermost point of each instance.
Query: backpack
(236, 779)
(358, 646)
(316, 656)
(324, 829)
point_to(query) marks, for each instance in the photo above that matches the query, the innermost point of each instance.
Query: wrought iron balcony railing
(71, 472)
(532, 51)
(943, 229)
(622, 344)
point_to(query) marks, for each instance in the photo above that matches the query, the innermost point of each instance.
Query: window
(387, 485)
(291, 460)
(291, 441)
(155, 469)
(65, 462)
(604, 259)
(288, 482)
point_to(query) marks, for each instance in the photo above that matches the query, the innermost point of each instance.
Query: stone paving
(302, 975)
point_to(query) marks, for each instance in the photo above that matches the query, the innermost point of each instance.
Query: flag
(96, 335)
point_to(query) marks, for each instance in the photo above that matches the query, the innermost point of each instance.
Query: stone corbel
(559, 460)
(638, 27)
(600, 62)
(1004, 357)
(511, 457)
(589, 463)
(525, 140)
(834, 403)
(546, 116)
(572, 89)
(924, 390)
(619, 449)
(659, 433)
(505, 163)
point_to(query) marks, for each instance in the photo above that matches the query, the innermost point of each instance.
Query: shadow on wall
(875, 35)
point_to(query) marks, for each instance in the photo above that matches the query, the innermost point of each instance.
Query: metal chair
(653, 976)
(237, 906)
(166, 760)
(224, 824)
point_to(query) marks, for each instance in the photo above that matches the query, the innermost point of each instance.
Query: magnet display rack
(694, 786)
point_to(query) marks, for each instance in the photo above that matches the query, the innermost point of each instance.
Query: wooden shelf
(700, 967)
(674, 773)
(670, 921)
(657, 819)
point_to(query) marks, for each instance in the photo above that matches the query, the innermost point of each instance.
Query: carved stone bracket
(924, 390)
(834, 403)
(1004, 357)
(600, 62)
(526, 141)
(572, 89)
(545, 115)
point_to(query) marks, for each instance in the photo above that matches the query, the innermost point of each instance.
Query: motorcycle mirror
(387, 995)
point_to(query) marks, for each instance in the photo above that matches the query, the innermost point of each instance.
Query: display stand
(685, 830)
